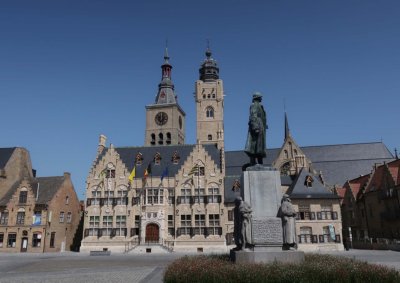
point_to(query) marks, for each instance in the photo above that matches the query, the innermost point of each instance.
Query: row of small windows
(36, 240)
(36, 219)
(157, 157)
(209, 96)
(160, 139)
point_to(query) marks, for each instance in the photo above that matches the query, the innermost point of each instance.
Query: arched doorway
(152, 233)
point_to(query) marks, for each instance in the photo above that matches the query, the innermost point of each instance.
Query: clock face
(161, 118)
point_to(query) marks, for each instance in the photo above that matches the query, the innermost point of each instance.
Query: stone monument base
(266, 256)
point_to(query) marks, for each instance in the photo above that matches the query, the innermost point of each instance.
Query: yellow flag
(133, 174)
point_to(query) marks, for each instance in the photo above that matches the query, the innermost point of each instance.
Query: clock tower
(209, 96)
(165, 119)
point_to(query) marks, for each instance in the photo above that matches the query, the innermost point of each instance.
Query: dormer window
(157, 159)
(138, 159)
(309, 181)
(175, 158)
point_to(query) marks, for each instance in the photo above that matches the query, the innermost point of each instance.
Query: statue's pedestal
(262, 190)
(258, 256)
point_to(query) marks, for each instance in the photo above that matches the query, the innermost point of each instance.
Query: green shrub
(316, 268)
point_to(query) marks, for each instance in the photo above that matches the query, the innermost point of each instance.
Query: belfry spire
(287, 131)
(166, 92)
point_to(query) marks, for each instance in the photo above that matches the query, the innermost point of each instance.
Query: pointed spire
(287, 131)
(166, 87)
(395, 153)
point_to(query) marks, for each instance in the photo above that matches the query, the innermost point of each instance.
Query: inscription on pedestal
(267, 231)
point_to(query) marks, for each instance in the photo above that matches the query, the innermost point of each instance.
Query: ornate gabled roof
(5, 155)
(338, 163)
(128, 154)
(300, 188)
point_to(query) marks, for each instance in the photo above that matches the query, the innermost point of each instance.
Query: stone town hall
(175, 196)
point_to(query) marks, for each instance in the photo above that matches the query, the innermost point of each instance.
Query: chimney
(67, 175)
(102, 143)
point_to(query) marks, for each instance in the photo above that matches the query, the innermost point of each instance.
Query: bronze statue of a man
(255, 144)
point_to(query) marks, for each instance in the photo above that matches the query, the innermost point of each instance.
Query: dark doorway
(152, 233)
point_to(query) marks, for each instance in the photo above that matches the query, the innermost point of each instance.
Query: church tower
(165, 119)
(209, 98)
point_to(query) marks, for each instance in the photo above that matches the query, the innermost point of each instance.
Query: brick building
(371, 205)
(37, 214)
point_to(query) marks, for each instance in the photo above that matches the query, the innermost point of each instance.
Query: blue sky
(71, 70)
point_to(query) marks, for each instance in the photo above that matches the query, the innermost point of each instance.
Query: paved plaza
(76, 267)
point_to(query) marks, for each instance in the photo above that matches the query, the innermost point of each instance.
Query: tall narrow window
(168, 141)
(107, 225)
(67, 200)
(213, 221)
(4, 218)
(23, 195)
(213, 195)
(37, 240)
(160, 138)
(209, 112)
(12, 240)
(62, 217)
(69, 217)
(153, 139)
(186, 223)
(200, 223)
(21, 218)
(121, 225)
(1, 239)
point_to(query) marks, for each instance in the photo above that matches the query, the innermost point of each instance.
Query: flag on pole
(164, 173)
(195, 170)
(133, 174)
(147, 172)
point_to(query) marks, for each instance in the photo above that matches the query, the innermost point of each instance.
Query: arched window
(153, 139)
(210, 137)
(286, 154)
(168, 141)
(209, 112)
(160, 138)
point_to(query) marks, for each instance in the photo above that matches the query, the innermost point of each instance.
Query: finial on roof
(166, 56)
(208, 50)
(395, 153)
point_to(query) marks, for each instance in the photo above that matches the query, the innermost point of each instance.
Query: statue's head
(257, 96)
(238, 201)
(285, 197)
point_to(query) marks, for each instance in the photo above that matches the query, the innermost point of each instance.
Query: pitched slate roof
(299, 190)
(5, 155)
(47, 186)
(128, 155)
(338, 163)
